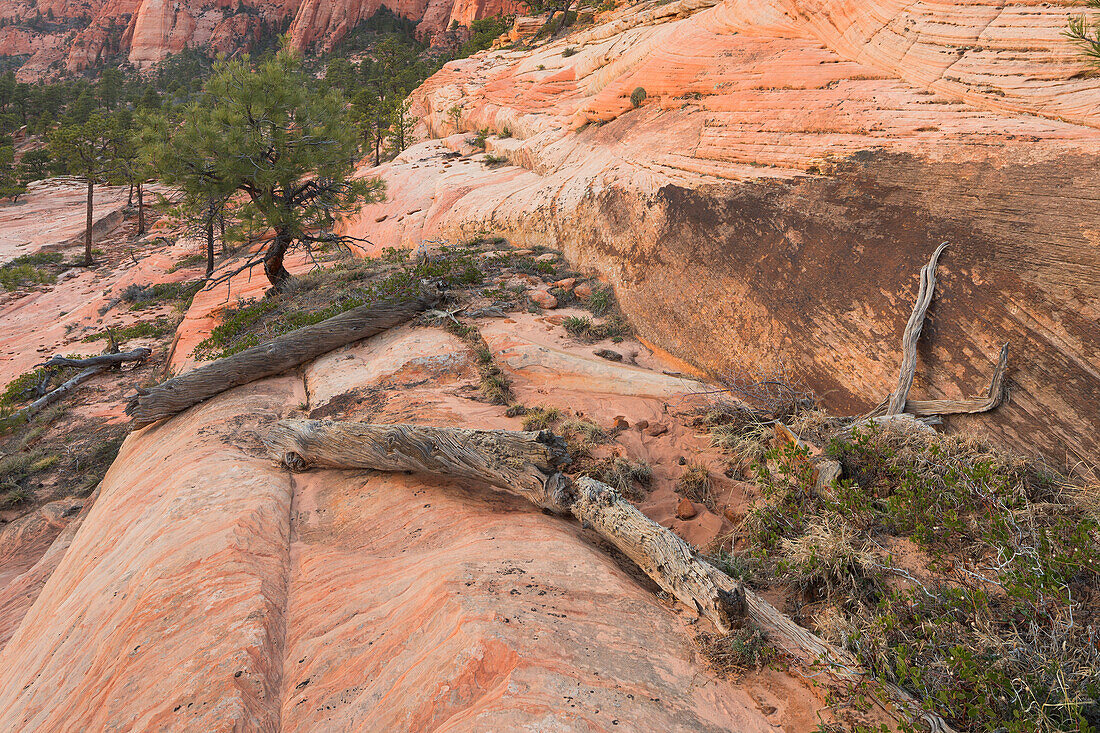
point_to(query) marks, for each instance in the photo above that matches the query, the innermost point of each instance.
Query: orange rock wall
(149, 30)
(767, 208)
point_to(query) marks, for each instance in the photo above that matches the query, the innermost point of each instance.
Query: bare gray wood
(266, 360)
(139, 354)
(659, 552)
(18, 418)
(525, 463)
(911, 335)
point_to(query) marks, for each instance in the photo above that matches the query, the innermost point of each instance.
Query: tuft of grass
(540, 418)
(569, 51)
(629, 478)
(589, 330)
(191, 260)
(494, 161)
(601, 301)
(738, 652)
(585, 429)
(694, 483)
(148, 296)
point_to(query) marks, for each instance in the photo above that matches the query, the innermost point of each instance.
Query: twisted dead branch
(94, 365)
(898, 402)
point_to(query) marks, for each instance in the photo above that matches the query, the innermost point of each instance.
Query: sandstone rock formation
(765, 209)
(84, 35)
(207, 588)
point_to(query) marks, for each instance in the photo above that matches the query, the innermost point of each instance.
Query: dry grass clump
(540, 418)
(740, 651)
(694, 483)
(830, 556)
(584, 431)
(740, 431)
(629, 478)
(613, 327)
(992, 618)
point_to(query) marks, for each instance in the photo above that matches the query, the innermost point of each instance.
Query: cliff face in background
(768, 206)
(83, 35)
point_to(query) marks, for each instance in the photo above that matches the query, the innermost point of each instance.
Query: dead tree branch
(266, 360)
(898, 402)
(106, 360)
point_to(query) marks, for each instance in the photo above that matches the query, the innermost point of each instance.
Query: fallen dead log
(523, 463)
(25, 414)
(106, 360)
(659, 552)
(266, 360)
(529, 464)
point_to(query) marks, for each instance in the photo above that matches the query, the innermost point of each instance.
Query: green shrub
(637, 97)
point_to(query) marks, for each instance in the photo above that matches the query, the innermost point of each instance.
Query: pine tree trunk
(130, 196)
(141, 211)
(276, 273)
(88, 229)
(210, 240)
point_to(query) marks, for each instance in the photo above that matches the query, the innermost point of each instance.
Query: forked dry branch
(898, 402)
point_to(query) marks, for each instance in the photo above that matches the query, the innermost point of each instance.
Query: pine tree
(88, 151)
(10, 185)
(273, 136)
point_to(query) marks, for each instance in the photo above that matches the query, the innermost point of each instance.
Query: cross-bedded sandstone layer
(766, 208)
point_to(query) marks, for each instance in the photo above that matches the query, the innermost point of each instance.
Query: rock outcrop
(764, 210)
(78, 36)
(207, 588)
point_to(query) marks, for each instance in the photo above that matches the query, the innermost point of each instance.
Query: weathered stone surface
(766, 209)
(207, 589)
(543, 299)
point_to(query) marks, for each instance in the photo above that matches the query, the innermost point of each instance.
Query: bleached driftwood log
(266, 360)
(529, 464)
(523, 463)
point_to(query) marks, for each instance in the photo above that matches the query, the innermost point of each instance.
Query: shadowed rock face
(819, 276)
(792, 166)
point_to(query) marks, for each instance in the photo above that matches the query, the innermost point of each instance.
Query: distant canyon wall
(81, 35)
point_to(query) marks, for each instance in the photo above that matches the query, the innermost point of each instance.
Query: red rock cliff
(793, 164)
(82, 35)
